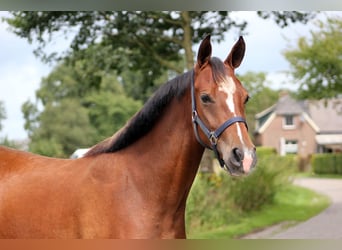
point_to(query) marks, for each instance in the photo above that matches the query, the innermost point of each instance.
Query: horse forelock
(219, 71)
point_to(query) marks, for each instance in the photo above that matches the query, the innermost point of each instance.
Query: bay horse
(134, 184)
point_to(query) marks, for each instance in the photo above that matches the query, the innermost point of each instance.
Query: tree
(75, 112)
(285, 18)
(316, 63)
(2, 114)
(153, 41)
(63, 127)
(4, 140)
(261, 96)
(110, 108)
(151, 45)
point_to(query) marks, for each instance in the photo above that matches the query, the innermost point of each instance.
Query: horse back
(13, 161)
(43, 197)
(31, 178)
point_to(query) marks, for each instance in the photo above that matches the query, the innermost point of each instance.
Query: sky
(21, 72)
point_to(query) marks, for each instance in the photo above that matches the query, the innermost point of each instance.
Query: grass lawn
(292, 204)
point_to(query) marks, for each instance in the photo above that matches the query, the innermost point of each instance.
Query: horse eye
(205, 98)
(247, 99)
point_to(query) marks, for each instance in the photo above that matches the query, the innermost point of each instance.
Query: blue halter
(213, 136)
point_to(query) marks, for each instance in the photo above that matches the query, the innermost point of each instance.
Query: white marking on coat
(239, 133)
(228, 86)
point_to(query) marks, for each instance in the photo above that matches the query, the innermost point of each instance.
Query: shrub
(259, 188)
(215, 200)
(338, 163)
(327, 163)
(265, 151)
(208, 205)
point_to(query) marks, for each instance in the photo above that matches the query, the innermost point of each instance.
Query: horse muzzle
(240, 161)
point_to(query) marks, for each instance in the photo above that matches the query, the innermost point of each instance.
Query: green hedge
(327, 163)
(265, 151)
(299, 163)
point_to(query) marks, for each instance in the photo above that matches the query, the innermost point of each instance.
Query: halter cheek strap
(212, 136)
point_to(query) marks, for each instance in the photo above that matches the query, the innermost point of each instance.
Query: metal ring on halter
(213, 138)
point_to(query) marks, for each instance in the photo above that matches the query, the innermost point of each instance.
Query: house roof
(327, 115)
(324, 116)
(285, 106)
(288, 106)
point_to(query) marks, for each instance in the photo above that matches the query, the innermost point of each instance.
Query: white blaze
(239, 133)
(228, 86)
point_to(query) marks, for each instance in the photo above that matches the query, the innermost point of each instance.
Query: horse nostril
(238, 155)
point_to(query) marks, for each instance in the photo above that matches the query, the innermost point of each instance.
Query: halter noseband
(213, 136)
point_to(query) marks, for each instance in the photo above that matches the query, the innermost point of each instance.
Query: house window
(291, 147)
(288, 122)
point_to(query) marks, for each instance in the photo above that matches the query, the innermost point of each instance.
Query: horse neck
(170, 154)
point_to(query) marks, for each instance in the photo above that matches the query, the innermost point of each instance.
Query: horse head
(218, 106)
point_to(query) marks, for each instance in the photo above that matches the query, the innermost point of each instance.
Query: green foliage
(2, 113)
(132, 49)
(338, 162)
(154, 41)
(48, 147)
(78, 110)
(4, 140)
(284, 18)
(31, 113)
(9, 143)
(327, 163)
(108, 112)
(259, 188)
(209, 205)
(262, 96)
(265, 151)
(291, 205)
(92, 102)
(63, 127)
(218, 200)
(316, 62)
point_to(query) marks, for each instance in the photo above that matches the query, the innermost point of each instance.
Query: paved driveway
(326, 225)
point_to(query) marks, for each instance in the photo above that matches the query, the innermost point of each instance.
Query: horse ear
(237, 53)
(204, 51)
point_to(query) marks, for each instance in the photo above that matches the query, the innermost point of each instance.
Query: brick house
(301, 127)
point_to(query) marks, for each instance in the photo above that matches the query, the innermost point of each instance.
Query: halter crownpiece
(212, 136)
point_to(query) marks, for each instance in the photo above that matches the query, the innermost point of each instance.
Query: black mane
(143, 121)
